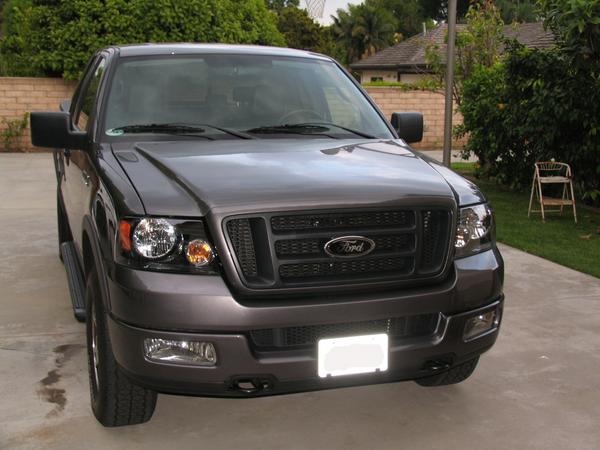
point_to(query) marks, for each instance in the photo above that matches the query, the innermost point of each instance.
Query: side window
(88, 97)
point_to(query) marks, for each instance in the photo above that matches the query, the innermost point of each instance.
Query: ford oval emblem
(349, 247)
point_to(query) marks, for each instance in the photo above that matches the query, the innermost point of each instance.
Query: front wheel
(455, 375)
(116, 400)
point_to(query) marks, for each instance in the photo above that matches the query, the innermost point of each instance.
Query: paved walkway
(538, 388)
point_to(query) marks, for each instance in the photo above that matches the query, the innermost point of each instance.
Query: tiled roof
(410, 53)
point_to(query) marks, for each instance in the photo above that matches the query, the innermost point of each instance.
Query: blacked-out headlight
(474, 230)
(165, 244)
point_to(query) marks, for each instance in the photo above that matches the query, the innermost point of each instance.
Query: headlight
(174, 245)
(474, 230)
(154, 238)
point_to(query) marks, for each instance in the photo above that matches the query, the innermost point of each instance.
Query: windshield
(234, 96)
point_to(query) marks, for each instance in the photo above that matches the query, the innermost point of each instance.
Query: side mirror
(409, 126)
(53, 129)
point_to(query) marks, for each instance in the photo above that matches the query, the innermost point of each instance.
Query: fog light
(180, 352)
(478, 325)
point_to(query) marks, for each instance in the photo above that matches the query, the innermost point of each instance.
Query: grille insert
(306, 336)
(343, 220)
(344, 268)
(240, 233)
(315, 246)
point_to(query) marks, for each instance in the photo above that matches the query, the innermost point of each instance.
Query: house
(405, 62)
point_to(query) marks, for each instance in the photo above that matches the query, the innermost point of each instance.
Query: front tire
(116, 401)
(455, 375)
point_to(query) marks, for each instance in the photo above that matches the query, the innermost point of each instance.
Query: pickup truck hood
(192, 178)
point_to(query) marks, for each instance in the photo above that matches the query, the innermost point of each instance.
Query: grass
(559, 239)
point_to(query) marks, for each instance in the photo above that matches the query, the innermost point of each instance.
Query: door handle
(85, 178)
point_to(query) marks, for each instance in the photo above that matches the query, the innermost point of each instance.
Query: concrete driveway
(537, 388)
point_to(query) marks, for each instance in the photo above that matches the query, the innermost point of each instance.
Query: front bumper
(185, 307)
(293, 370)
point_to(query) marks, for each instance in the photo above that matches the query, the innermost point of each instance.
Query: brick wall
(430, 104)
(21, 95)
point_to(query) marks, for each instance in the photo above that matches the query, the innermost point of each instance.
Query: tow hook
(251, 385)
(436, 366)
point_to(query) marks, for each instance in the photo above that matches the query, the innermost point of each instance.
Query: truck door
(79, 180)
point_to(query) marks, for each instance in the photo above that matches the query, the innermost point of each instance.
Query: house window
(374, 79)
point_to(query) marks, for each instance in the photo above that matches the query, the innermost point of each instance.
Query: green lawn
(559, 239)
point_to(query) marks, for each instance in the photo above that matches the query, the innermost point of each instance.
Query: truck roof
(150, 49)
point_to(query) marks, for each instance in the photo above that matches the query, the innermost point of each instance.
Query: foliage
(278, 5)
(535, 107)
(438, 9)
(302, 32)
(363, 29)
(518, 11)
(577, 23)
(424, 84)
(409, 16)
(14, 129)
(541, 104)
(57, 37)
(479, 44)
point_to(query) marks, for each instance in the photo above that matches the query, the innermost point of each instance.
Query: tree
(479, 44)
(278, 5)
(438, 9)
(518, 10)
(409, 15)
(302, 32)
(363, 29)
(374, 28)
(56, 37)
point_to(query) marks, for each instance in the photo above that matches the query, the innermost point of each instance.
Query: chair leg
(541, 200)
(564, 196)
(573, 200)
(531, 196)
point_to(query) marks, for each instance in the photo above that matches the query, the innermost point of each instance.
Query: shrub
(12, 132)
(541, 104)
(57, 37)
(534, 106)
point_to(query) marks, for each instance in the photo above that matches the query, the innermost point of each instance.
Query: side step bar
(75, 279)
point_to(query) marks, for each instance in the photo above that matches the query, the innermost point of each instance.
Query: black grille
(432, 250)
(342, 220)
(306, 336)
(307, 247)
(288, 250)
(240, 234)
(345, 268)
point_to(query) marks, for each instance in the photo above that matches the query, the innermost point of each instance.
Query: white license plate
(353, 355)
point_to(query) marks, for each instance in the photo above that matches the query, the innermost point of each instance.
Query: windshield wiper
(292, 128)
(176, 128)
(307, 128)
(341, 127)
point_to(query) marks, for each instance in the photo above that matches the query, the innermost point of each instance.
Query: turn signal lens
(125, 235)
(199, 253)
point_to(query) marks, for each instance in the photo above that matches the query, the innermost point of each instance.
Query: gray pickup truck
(243, 221)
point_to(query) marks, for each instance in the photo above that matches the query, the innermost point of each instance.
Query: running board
(75, 279)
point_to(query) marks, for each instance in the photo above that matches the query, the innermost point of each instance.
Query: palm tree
(363, 30)
(375, 28)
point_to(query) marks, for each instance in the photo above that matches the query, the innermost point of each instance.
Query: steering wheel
(307, 113)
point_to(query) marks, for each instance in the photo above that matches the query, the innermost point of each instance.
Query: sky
(331, 6)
